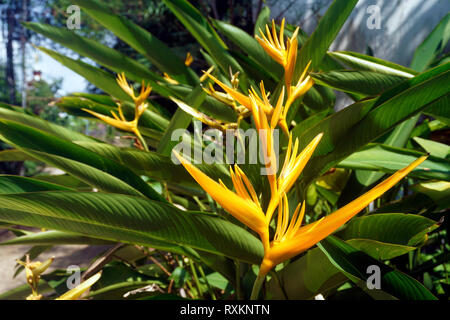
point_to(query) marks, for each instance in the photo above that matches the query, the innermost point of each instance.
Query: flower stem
(141, 140)
(257, 286)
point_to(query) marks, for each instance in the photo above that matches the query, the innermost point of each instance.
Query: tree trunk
(10, 78)
(23, 48)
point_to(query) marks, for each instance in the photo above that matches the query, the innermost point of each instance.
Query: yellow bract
(189, 59)
(120, 122)
(76, 292)
(33, 271)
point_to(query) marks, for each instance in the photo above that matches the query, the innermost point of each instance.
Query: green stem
(257, 286)
(141, 140)
(210, 290)
(194, 274)
(238, 280)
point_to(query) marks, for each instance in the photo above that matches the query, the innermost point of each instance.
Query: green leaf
(364, 62)
(440, 110)
(128, 219)
(140, 40)
(14, 155)
(329, 26)
(154, 165)
(180, 120)
(54, 238)
(380, 250)
(319, 98)
(23, 291)
(98, 77)
(84, 164)
(352, 128)
(40, 124)
(397, 138)
(262, 20)
(65, 180)
(432, 46)
(251, 47)
(436, 190)
(17, 184)
(306, 277)
(354, 263)
(434, 148)
(103, 55)
(367, 83)
(202, 31)
(387, 235)
(378, 157)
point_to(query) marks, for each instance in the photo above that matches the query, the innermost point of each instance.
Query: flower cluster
(120, 122)
(291, 238)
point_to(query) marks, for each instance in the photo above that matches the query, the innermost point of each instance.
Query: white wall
(404, 24)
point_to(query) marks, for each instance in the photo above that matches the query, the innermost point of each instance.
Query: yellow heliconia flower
(284, 54)
(242, 204)
(293, 239)
(76, 292)
(290, 238)
(120, 121)
(169, 79)
(213, 123)
(304, 83)
(33, 271)
(189, 59)
(233, 93)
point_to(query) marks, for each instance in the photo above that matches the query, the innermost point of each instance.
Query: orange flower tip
(295, 34)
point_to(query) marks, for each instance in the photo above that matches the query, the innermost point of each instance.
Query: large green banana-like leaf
(436, 149)
(103, 55)
(432, 46)
(43, 125)
(130, 219)
(355, 263)
(180, 120)
(306, 277)
(54, 237)
(202, 31)
(18, 184)
(154, 164)
(262, 19)
(385, 236)
(329, 26)
(352, 128)
(141, 40)
(98, 171)
(366, 83)
(14, 155)
(440, 110)
(362, 62)
(378, 157)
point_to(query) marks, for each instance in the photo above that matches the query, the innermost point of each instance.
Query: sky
(50, 68)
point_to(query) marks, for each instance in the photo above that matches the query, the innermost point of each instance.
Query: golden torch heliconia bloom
(290, 238)
(120, 122)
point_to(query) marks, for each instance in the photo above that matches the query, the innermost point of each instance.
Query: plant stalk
(257, 286)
